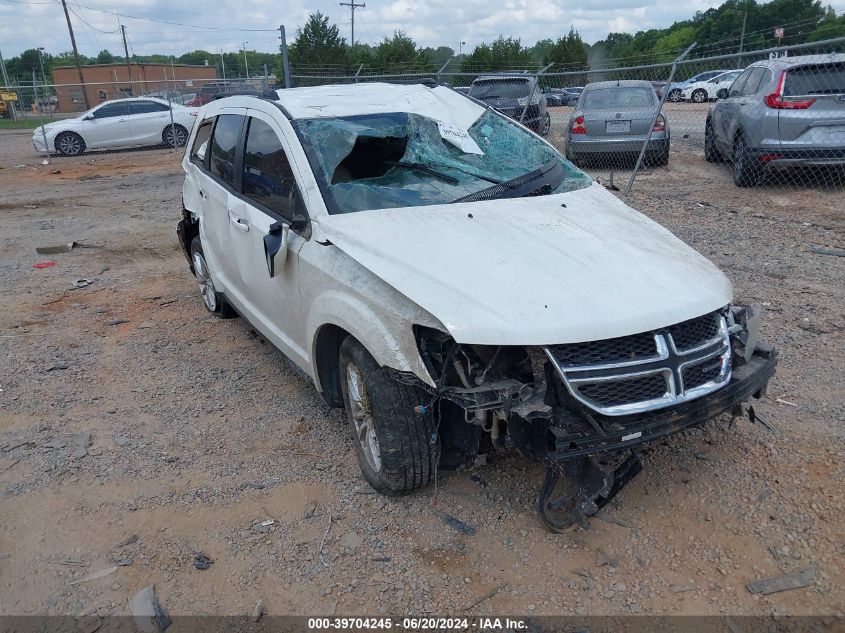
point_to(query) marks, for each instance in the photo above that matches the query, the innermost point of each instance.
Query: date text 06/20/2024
(416, 624)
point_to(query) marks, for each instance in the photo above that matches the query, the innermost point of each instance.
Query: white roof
(440, 103)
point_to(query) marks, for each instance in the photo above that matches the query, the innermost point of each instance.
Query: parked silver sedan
(611, 120)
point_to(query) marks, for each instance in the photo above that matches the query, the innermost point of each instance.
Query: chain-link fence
(770, 117)
(774, 117)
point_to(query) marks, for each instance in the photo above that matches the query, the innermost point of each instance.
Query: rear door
(147, 120)
(619, 111)
(815, 115)
(725, 112)
(218, 183)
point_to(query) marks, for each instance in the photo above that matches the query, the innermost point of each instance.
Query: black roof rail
(428, 82)
(267, 93)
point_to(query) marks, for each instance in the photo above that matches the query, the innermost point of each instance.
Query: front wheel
(69, 144)
(674, 95)
(546, 125)
(699, 96)
(711, 152)
(174, 136)
(397, 448)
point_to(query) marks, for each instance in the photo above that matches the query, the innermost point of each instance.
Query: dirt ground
(199, 431)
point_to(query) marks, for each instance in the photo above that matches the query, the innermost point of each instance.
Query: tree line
(319, 49)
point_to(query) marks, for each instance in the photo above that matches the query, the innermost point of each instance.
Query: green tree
(399, 54)
(503, 54)
(568, 52)
(105, 57)
(318, 44)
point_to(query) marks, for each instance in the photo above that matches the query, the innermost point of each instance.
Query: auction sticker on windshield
(459, 138)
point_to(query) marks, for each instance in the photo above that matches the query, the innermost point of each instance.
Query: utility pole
(285, 63)
(352, 6)
(76, 56)
(223, 65)
(246, 63)
(742, 37)
(126, 50)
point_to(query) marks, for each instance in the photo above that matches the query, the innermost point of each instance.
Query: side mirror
(276, 247)
(88, 117)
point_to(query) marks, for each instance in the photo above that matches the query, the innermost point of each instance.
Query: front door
(270, 196)
(108, 127)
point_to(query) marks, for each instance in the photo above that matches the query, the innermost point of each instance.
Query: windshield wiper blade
(548, 176)
(424, 169)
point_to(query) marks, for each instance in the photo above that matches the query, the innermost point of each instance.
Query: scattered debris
(310, 510)
(54, 444)
(201, 561)
(88, 623)
(57, 366)
(603, 559)
(455, 523)
(68, 562)
(108, 571)
(148, 614)
(121, 440)
(42, 265)
(82, 283)
(116, 321)
(323, 542)
(612, 518)
(793, 580)
(56, 172)
(10, 447)
(4, 556)
(90, 177)
(835, 252)
(689, 585)
(258, 611)
(123, 562)
(256, 485)
(484, 596)
(55, 249)
(11, 465)
(81, 441)
(129, 540)
(786, 402)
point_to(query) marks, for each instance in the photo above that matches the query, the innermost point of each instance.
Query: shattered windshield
(390, 160)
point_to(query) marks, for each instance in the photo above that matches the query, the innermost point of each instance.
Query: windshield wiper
(544, 179)
(424, 169)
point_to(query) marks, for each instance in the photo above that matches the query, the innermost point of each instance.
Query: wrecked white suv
(458, 286)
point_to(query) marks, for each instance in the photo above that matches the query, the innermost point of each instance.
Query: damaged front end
(580, 408)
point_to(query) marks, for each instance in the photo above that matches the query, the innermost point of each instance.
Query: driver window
(110, 110)
(267, 176)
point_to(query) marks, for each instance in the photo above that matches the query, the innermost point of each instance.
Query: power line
(186, 25)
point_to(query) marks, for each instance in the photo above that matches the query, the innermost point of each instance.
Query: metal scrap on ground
(793, 580)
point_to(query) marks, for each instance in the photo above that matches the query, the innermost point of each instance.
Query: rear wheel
(397, 448)
(546, 125)
(69, 144)
(213, 300)
(711, 152)
(674, 95)
(745, 172)
(699, 96)
(659, 158)
(174, 136)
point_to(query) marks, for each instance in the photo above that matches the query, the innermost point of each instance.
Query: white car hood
(530, 271)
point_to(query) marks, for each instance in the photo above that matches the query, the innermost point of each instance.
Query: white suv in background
(458, 286)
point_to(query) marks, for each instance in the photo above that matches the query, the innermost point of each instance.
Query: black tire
(406, 455)
(659, 158)
(722, 94)
(711, 151)
(213, 301)
(745, 172)
(69, 144)
(174, 136)
(699, 96)
(674, 95)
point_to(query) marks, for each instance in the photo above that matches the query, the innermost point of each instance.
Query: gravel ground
(136, 429)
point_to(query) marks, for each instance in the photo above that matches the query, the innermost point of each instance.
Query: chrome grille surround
(699, 360)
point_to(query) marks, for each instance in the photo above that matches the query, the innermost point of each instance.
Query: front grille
(695, 332)
(612, 350)
(618, 392)
(647, 371)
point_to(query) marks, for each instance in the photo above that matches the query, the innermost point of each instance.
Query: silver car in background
(612, 120)
(780, 113)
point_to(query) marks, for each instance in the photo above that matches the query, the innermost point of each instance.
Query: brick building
(112, 81)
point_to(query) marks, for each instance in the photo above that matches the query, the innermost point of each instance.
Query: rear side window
(224, 145)
(753, 82)
(267, 177)
(111, 110)
(146, 107)
(818, 79)
(739, 85)
(198, 149)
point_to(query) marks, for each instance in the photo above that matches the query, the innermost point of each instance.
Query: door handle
(202, 194)
(239, 223)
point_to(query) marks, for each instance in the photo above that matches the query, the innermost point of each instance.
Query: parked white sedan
(712, 89)
(130, 122)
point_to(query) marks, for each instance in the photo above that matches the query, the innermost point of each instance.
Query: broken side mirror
(276, 247)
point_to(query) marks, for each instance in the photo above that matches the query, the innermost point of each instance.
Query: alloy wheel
(69, 144)
(362, 417)
(209, 294)
(175, 135)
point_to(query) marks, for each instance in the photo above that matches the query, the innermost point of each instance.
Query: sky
(33, 23)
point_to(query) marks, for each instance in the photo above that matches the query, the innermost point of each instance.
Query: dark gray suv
(780, 113)
(518, 96)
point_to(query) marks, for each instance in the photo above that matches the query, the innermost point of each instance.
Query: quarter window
(267, 176)
(224, 144)
(198, 150)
